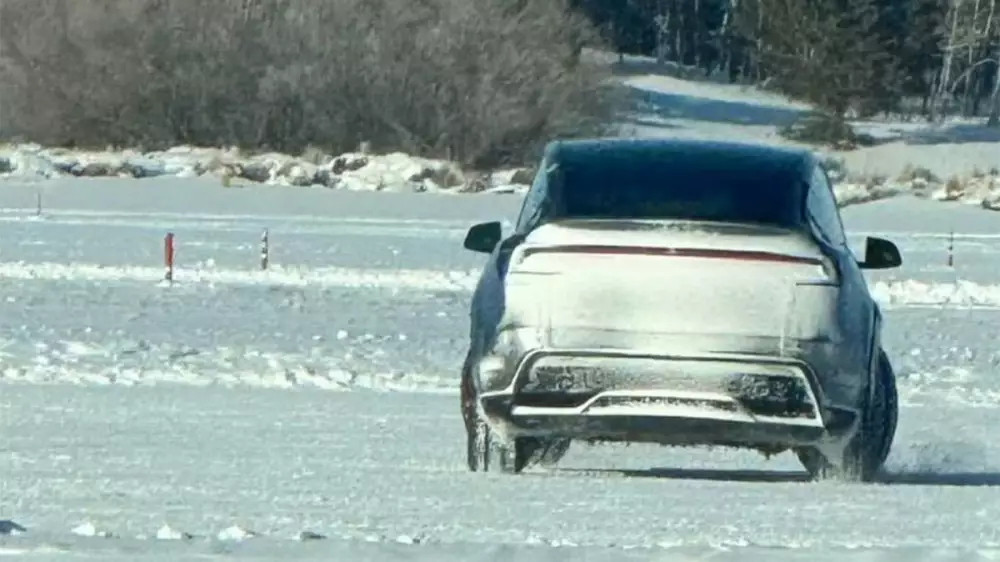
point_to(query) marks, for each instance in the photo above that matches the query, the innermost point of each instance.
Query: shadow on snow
(665, 105)
(891, 478)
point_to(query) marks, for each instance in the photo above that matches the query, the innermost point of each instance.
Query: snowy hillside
(665, 105)
(309, 412)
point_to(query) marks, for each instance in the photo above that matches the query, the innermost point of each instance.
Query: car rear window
(725, 189)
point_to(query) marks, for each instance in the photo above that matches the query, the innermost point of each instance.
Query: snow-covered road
(319, 397)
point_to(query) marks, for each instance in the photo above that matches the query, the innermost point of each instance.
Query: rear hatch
(666, 284)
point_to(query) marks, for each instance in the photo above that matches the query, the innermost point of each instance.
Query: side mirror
(880, 254)
(483, 237)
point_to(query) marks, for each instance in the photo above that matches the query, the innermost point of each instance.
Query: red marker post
(168, 257)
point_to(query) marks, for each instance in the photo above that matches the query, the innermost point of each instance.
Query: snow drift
(398, 172)
(354, 171)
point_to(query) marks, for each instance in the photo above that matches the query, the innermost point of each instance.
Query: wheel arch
(874, 349)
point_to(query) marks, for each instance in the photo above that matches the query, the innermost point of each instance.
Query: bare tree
(483, 82)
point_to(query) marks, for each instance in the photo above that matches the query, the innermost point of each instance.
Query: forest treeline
(484, 82)
(916, 58)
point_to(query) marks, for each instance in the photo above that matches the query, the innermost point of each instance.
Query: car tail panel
(639, 286)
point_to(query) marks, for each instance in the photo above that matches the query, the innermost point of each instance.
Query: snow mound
(978, 190)
(88, 529)
(168, 533)
(911, 292)
(354, 171)
(235, 533)
(400, 172)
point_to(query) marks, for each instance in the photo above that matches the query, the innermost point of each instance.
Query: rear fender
(489, 300)
(873, 352)
(857, 318)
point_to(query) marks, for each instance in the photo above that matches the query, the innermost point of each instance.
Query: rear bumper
(709, 399)
(666, 430)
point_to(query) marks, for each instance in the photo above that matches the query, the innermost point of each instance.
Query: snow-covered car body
(675, 292)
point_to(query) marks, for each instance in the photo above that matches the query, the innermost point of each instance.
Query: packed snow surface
(309, 412)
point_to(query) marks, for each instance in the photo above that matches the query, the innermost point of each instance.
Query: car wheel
(869, 448)
(487, 453)
(484, 452)
(467, 398)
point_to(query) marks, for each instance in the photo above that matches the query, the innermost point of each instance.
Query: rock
(6, 166)
(327, 178)
(66, 166)
(143, 168)
(301, 175)
(348, 163)
(256, 172)
(477, 183)
(310, 536)
(523, 176)
(445, 176)
(96, 169)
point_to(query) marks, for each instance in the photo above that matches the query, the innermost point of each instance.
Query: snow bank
(402, 172)
(354, 171)
(979, 189)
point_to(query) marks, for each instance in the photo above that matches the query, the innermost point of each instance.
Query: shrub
(484, 82)
(825, 129)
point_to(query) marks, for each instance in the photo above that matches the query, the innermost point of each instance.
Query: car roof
(735, 156)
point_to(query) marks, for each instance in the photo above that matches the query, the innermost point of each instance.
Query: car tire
(484, 452)
(487, 453)
(868, 450)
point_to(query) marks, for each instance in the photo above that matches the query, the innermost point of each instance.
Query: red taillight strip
(748, 255)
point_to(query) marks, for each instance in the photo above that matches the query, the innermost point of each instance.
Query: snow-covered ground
(238, 412)
(667, 105)
(309, 412)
